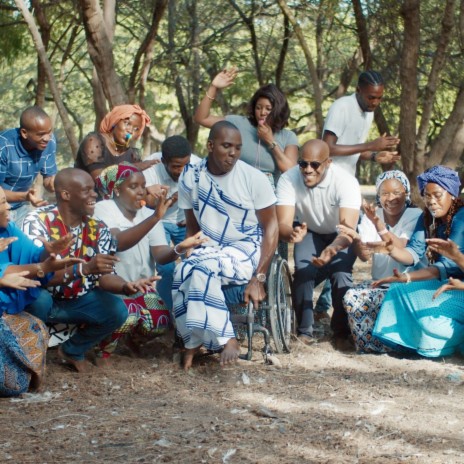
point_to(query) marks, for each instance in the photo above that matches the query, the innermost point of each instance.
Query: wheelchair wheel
(281, 314)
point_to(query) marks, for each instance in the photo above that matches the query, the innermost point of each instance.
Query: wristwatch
(272, 145)
(40, 272)
(261, 277)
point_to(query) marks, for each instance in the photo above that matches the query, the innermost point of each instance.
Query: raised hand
(369, 210)
(453, 284)
(34, 199)
(51, 264)
(18, 281)
(265, 133)
(387, 157)
(59, 245)
(225, 78)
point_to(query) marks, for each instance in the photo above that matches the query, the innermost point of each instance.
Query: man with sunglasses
(348, 123)
(319, 196)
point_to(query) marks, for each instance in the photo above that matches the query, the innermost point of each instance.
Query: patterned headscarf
(113, 176)
(445, 177)
(398, 175)
(121, 112)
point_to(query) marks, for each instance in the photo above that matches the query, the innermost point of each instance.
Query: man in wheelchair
(233, 204)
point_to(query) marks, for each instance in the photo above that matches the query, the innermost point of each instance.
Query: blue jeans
(324, 302)
(100, 313)
(174, 234)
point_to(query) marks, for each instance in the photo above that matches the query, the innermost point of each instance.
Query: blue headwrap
(398, 175)
(445, 177)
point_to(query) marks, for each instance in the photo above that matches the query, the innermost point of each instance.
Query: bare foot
(80, 365)
(102, 363)
(230, 353)
(189, 354)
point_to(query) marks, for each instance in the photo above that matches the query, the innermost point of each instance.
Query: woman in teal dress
(410, 316)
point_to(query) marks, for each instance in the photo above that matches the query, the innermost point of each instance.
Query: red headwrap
(121, 112)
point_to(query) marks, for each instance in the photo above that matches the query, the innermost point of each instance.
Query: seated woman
(23, 338)
(393, 220)
(141, 244)
(409, 317)
(113, 144)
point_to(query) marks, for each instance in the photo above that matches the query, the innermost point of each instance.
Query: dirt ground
(319, 406)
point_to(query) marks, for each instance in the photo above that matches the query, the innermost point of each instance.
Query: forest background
(80, 58)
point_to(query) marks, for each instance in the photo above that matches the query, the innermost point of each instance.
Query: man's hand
(157, 190)
(384, 142)
(59, 245)
(254, 292)
(100, 264)
(387, 157)
(453, 284)
(298, 233)
(49, 184)
(384, 248)
(349, 232)
(18, 281)
(140, 285)
(35, 200)
(51, 264)
(326, 256)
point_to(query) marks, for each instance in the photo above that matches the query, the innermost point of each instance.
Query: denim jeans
(324, 302)
(99, 312)
(174, 234)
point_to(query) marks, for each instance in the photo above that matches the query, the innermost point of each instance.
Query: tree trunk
(68, 127)
(101, 52)
(410, 12)
(310, 63)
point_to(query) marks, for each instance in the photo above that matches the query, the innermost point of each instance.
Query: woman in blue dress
(410, 316)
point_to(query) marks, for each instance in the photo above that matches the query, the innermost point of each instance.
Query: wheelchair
(274, 318)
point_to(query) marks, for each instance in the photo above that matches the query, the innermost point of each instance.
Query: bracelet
(66, 276)
(383, 232)
(177, 253)
(408, 277)
(373, 155)
(211, 98)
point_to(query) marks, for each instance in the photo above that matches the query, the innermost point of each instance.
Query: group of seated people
(89, 259)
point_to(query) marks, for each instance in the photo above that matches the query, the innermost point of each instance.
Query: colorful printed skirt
(362, 304)
(148, 315)
(23, 347)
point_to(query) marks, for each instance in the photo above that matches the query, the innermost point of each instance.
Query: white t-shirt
(244, 185)
(383, 265)
(136, 262)
(157, 175)
(319, 206)
(351, 125)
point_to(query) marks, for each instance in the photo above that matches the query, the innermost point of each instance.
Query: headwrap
(113, 176)
(445, 177)
(395, 174)
(121, 112)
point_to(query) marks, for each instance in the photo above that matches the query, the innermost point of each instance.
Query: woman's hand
(447, 248)
(141, 285)
(369, 210)
(5, 242)
(349, 232)
(265, 133)
(225, 78)
(397, 277)
(384, 248)
(163, 203)
(453, 284)
(18, 281)
(187, 245)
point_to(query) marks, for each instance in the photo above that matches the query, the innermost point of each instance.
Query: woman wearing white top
(394, 221)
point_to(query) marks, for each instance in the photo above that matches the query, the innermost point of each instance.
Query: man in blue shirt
(24, 153)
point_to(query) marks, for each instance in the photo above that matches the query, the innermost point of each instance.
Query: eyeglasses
(314, 164)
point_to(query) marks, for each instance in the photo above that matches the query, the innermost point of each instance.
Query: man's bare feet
(80, 365)
(230, 353)
(102, 363)
(188, 356)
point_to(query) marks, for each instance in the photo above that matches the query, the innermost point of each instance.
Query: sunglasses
(314, 164)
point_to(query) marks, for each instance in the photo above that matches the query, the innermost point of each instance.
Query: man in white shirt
(321, 196)
(176, 153)
(348, 123)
